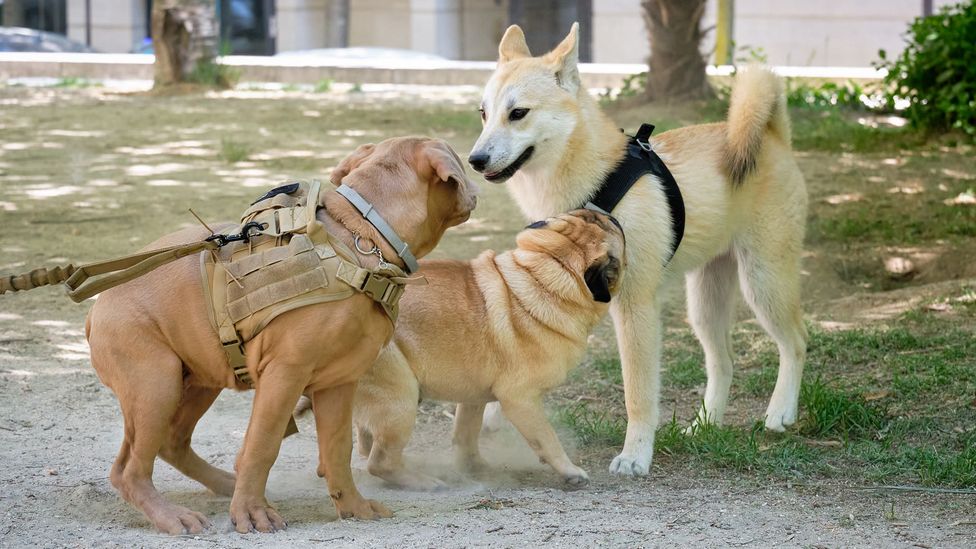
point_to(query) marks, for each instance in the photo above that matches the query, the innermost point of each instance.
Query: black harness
(638, 161)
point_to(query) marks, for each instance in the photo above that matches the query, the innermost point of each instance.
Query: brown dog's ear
(602, 279)
(565, 58)
(350, 163)
(513, 45)
(446, 164)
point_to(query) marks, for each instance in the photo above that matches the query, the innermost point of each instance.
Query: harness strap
(371, 215)
(639, 160)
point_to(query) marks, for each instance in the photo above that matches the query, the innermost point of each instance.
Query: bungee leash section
(81, 281)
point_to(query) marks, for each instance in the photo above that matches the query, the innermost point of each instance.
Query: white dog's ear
(513, 45)
(565, 58)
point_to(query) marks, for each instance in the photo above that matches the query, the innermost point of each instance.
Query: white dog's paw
(630, 465)
(577, 478)
(778, 418)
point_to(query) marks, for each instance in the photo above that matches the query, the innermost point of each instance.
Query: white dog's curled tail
(757, 107)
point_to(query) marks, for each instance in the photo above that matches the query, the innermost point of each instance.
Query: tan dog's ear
(602, 279)
(564, 59)
(350, 163)
(513, 45)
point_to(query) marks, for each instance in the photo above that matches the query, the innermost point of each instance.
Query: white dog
(745, 203)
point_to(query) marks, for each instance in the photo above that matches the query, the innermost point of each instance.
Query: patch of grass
(882, 218)
(886, 405)
(760, 383)
(685, 372)
(75, 82)
(212, 74)
(593, 427)
(829, 412)
(838, 130)
(735, 448)
(323, 86)
(356, 88)
(232, 151)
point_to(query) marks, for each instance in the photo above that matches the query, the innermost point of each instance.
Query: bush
(936, 72)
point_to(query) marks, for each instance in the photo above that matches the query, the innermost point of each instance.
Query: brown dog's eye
(483, 115)
(517, 114)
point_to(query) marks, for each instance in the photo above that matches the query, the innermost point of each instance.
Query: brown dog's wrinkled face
(417, 184)
(588, 243)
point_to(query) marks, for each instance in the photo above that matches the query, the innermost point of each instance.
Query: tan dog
(506, 327)
(153, 345)
(745, 205)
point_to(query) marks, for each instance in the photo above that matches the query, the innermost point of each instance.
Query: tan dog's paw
(256, 516)
(176, 520)
(471, 464)
(364, 509)
(577, 478)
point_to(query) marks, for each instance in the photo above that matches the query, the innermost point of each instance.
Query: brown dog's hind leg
(333, 426)
(149, 396)
(177, 451)
(467, 428)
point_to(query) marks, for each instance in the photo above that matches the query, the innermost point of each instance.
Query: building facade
(787, 32)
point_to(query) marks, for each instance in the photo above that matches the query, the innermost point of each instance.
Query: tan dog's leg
(149, 395)
(276, 395)
(711, 310)
(333, 425)
(385, 414)
(177, 451)
(528, 416)
(467, 427)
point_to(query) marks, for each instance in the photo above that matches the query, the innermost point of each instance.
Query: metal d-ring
(360, 249)
(375, 251)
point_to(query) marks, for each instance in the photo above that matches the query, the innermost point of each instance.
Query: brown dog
(153, 345)
(506, 327)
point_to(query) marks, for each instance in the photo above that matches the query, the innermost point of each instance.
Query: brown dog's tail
(757, 107)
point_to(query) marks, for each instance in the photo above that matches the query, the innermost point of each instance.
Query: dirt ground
(86, 174)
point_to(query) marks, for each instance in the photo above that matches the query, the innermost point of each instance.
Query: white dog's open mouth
(499, 176)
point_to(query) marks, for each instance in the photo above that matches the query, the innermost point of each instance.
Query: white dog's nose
(479, 161)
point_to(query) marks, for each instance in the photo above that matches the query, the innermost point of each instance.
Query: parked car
(23, 40)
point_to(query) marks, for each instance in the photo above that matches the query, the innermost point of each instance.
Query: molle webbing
(290, 262)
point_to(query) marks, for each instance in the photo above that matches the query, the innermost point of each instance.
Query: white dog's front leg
(637, 323)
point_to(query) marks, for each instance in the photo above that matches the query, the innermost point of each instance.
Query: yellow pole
(723, 33)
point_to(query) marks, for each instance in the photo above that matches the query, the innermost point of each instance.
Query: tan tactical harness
(281, 259)
(289, 262)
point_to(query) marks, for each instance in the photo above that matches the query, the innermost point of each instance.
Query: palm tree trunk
(184, 34)
(677, 67)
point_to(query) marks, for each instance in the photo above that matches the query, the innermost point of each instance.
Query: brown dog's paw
(176, 520)
(255, 517)
(364, 509)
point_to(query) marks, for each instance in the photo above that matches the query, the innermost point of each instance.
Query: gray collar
(366, 209)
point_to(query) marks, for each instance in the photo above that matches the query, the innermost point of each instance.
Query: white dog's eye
(482, 111)
(517, 114)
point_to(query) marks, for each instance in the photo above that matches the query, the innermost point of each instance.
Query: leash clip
(243, 236)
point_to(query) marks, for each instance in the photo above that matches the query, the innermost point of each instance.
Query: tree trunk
(13, 13)
(677, 67)
(184, 35)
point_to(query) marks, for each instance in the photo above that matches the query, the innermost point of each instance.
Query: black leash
(639, 160)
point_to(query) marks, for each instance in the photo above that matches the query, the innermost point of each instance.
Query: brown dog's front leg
(274, 399)
(333, 425)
